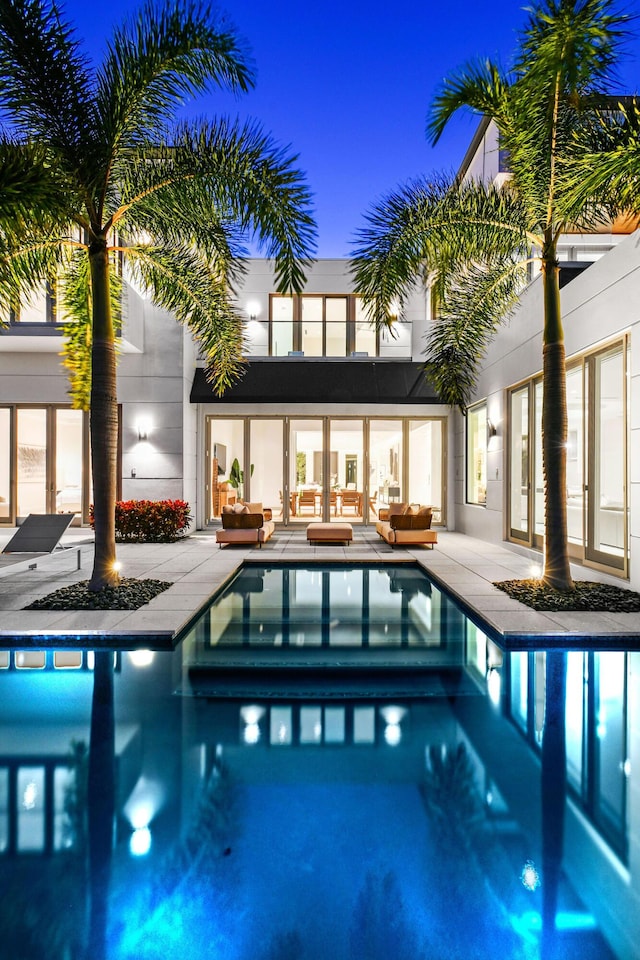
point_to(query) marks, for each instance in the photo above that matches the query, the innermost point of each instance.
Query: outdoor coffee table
(330, 532)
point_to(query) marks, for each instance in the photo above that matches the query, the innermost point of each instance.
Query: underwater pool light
(141, 658)
(140, 842)
(530, 877)
(251, 733)
(392, 734)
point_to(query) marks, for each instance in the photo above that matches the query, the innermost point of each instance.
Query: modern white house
(332, 420)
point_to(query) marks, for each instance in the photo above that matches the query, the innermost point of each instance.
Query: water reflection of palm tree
(554, 791)
(101, 797)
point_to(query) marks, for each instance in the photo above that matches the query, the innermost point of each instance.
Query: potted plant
(236, 477)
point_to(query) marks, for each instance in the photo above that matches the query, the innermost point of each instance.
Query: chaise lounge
(245, 523)
(404, 524)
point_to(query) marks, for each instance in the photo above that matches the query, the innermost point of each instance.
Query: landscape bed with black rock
(587, 595)
(130, 594)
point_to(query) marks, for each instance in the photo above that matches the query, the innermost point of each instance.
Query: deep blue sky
(348, 85)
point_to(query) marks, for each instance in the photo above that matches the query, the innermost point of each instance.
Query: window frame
(471, 454)
(350, 323)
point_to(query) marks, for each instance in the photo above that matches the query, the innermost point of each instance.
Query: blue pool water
(320, 787)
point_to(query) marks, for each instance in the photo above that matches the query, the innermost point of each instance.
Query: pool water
(486, 811)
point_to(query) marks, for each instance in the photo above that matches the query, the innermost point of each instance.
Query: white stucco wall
(151, 390)
(325, 276)
(600, 304)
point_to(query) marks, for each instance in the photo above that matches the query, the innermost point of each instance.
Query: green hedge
(150, 521)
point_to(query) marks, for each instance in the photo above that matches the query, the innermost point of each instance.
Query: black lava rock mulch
(587, 595)
(130, 594)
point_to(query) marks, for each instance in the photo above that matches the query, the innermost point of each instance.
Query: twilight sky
(348, 82)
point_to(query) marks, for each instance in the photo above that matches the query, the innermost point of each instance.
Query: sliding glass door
(325, 468)
(596, 489)
(607, 513)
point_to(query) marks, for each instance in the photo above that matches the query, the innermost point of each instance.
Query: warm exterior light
(253, 309)
(144, 429)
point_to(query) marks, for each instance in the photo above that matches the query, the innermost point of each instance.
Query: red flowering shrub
(150, 521)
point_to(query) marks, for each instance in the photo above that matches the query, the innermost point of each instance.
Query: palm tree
(473, 242)
(98, 168)
(609, 168)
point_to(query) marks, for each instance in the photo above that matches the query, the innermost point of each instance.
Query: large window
(44, 462)
(597, 430)
(327, 468)
(320, 326)
(477, 454)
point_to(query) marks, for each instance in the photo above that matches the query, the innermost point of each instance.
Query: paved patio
(197, 567)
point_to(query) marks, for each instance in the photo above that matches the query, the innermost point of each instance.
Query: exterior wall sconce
(253, 310)
(144, 430)
(492, 430)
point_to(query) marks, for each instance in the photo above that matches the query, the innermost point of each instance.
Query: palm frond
(435, 230)
(159, 59)
(479, 85)
(180, 282)
(24, 267)
(469, 314)
(577, 40)
(29, 188)
(254, 184)
(44, 80)
(606, 175)
(162, 214)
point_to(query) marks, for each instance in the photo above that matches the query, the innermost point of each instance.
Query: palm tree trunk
(557, 572)
(104, 420)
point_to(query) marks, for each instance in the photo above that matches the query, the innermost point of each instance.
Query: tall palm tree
(98, 167)
(473, 242)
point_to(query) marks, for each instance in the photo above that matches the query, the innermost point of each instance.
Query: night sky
(348, 85)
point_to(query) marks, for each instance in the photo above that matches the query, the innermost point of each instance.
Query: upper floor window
(45, 305)
(320, 325)
(477, 454)
(46, 302)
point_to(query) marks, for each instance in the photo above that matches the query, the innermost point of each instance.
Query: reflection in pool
(325, 605)
(489, 817)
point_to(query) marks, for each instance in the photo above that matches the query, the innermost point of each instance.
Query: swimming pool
(485, 811)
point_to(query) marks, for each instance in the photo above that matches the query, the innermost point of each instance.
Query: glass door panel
(366, 337)
(385, 464)
(281, 326)
(306, 456)
(68, 461)
(32, 461)
(311, 326)
(575, 458)
(538, 477)
(5, 465)
(267, 456)
(607, 479)
(520, 485)
(425, 465)
(346, 483)
(336, 326)
(225, 444)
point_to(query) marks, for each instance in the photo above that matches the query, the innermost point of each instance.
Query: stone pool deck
(197, 567)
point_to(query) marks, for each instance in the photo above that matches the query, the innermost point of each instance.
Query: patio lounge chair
(38, 536)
